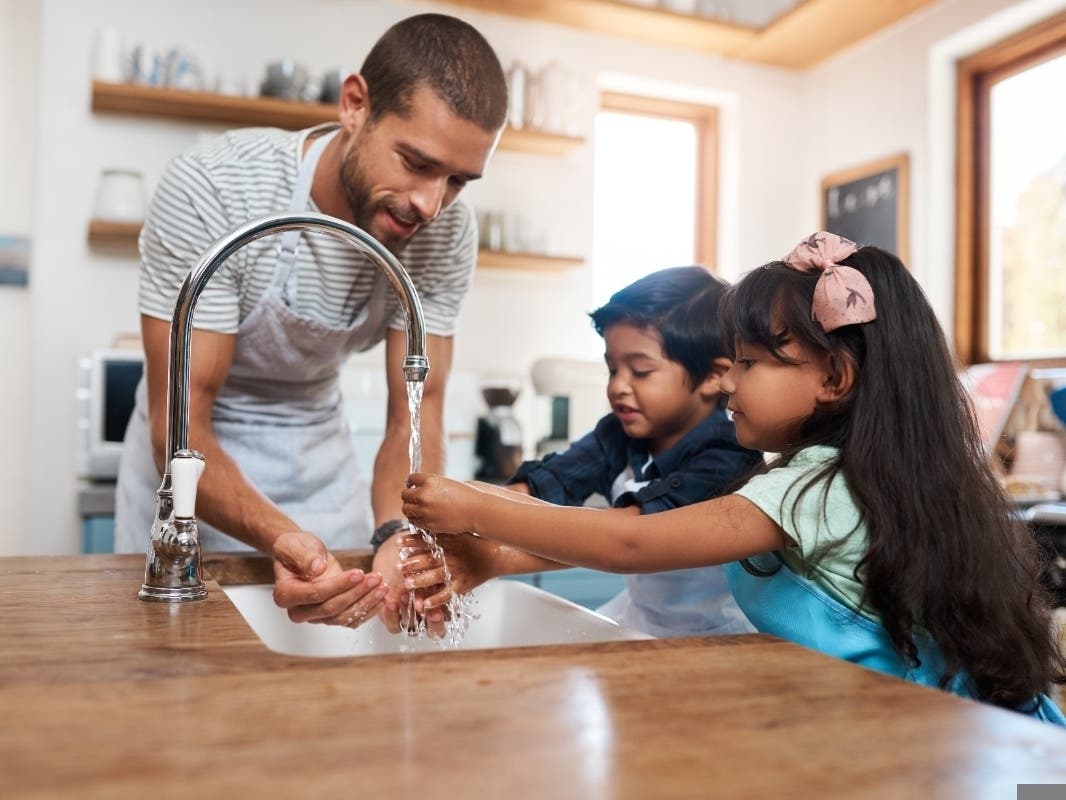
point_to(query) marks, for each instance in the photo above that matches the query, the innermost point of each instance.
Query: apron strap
(372, 315)
(300, 196)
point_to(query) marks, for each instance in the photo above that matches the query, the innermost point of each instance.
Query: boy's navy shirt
(706, 462)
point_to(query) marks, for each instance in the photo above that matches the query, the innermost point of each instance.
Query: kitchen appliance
(107, 382)
(498, 445)
(571, 396)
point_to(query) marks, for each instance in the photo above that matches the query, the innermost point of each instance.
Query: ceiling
(796, 34)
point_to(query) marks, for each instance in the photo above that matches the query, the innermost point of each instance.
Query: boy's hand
(440, 505)
(394, 609)
(471, 561)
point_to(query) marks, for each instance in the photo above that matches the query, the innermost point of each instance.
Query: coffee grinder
(498, 445)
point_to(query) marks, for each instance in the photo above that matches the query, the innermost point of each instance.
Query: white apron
(279, 414)
(681, 602)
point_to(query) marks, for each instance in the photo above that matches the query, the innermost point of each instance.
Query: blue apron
(790, 607)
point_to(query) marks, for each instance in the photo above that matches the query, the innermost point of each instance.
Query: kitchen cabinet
(158, 102)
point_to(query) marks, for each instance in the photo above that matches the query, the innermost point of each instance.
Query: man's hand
(310, 584)
(395, 609)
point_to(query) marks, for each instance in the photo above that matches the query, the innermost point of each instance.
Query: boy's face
(652, 397)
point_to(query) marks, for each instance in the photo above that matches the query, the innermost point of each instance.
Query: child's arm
(471, 560)
(614, 540)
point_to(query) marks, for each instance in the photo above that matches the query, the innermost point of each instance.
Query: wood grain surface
(107, 696)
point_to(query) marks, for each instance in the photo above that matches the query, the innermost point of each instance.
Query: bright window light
(644, 201)
(1027, 214)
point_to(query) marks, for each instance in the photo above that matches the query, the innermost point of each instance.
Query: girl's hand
(440, 505)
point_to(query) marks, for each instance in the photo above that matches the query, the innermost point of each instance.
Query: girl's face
(651, 395)
(770, 399)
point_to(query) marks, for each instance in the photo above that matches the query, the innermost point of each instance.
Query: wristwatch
(384, 531)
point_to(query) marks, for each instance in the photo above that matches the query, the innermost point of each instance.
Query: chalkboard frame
(898, 163)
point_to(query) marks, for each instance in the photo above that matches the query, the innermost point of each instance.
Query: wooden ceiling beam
(798, 39)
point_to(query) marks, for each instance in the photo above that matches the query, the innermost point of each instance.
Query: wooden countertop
(106, 696)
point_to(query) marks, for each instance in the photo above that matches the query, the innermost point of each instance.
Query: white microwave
(107, 383)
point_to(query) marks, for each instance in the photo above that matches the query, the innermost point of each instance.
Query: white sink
(509, 614)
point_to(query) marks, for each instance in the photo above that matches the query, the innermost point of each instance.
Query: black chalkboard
(868, 204)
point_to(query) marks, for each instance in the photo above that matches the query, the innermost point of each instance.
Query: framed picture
(14, 261)
(869, 204)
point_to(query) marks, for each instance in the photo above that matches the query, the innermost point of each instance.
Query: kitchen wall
(772, 161)
(896, 93)
(19, 54)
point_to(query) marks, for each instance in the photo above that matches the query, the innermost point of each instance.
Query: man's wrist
(385, 531)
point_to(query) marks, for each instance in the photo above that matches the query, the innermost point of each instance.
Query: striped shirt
(250, 173)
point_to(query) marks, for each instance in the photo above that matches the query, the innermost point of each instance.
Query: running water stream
(460, 609)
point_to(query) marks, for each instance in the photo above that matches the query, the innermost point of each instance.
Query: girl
(878, 535)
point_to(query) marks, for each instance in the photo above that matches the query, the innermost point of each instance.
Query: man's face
(400, 172)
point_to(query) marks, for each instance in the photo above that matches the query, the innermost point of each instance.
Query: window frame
(975, 76)
(705, 119)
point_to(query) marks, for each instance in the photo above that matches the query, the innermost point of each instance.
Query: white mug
(120, 196)
(109, 60)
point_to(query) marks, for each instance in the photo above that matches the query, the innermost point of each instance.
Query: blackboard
(869, 205)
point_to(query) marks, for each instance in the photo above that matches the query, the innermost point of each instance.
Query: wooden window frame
(976, 75)
(705, 120)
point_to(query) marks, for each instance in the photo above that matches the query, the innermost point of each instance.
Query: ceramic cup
(285, 79)
(120, 196)
(109, 58)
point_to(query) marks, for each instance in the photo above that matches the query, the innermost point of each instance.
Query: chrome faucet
(173, 572)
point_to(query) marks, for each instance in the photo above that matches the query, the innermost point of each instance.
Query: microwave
(107, 383)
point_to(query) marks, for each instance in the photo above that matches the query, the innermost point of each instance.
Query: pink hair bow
(842, 295)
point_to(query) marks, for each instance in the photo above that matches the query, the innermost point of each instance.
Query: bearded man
(275, 324)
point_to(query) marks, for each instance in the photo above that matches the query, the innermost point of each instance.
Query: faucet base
(170, 594)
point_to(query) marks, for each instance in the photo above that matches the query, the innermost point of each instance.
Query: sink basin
(509, 614)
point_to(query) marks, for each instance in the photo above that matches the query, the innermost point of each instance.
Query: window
(1011, 196)
(655, 188)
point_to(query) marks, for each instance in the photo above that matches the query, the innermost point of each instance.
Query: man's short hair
(444, 54)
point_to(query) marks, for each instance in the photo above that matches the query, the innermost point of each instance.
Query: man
(275, 324)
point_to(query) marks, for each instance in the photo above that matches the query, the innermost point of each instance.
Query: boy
(666, 443)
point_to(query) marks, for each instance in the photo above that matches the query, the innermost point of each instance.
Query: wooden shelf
(543, 143)
(154, 101)
(113, 234)
(532, 262)
(124, 234)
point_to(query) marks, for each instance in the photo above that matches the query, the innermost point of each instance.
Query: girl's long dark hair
(947, 556)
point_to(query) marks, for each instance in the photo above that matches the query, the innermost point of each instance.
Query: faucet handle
(185, 470)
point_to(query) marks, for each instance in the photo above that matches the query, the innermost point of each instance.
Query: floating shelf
(113, 234)
(124, 234)
(154, 101)
(538, 262)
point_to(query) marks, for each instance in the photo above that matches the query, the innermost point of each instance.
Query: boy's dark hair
(446, 55)
(947, 556)
(680, 304)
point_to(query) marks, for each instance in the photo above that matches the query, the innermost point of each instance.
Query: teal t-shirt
(815, 516)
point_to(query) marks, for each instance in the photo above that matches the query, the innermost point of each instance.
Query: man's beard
(363, 209)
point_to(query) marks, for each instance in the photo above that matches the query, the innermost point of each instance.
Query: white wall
(19, 54)
(895, 92)
(781, 132)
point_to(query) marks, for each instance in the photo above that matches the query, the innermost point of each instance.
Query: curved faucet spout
(415, 365)
(176, 577)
